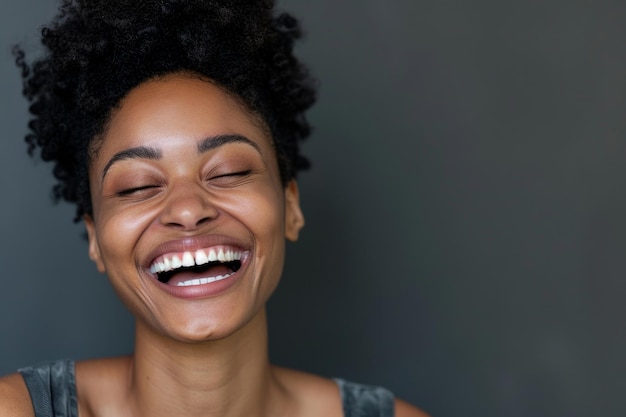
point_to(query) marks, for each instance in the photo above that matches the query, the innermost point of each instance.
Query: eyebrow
(219, 140)
(205, 145)
(142, 152)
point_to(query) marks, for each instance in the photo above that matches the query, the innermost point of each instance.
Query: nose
(188, 207)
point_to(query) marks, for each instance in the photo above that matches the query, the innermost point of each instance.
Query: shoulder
(312, 394)
(14, 397)
(101, 382)
(404, 409)
(323, 396)
(376, 400)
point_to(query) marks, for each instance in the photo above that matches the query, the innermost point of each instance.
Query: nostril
(188, 223)
(188, 209)
(203, 221)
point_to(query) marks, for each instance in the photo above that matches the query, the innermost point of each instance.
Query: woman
(174, 128)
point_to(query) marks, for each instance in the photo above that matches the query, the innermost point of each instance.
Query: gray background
(465, 216)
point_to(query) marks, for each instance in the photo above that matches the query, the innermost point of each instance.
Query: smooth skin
(162, 177)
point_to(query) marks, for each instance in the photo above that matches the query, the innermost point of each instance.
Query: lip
(192, 244)
(211, 289)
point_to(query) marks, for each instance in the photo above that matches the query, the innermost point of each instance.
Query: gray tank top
(52, 388)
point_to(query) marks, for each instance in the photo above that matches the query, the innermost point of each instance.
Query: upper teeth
(199, 257)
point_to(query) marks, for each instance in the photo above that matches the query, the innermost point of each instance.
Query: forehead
(177, 106)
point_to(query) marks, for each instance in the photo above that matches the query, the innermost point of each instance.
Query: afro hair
(96, 51)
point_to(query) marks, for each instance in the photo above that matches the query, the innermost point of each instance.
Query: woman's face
(190, 215)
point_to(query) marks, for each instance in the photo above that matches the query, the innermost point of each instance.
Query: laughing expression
(189, 213)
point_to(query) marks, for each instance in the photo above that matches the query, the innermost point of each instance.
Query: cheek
(120, 232)
(263, 213)
(264, 217)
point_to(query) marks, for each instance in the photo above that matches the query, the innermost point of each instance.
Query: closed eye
(135, 190)
(230, 179)
(233, 174)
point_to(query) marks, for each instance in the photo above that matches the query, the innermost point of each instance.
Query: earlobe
(94, 248)
(294, 219)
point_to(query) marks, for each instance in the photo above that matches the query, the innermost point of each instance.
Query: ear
(294, 220)
(94, 248)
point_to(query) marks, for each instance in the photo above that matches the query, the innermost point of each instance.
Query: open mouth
(198, 267)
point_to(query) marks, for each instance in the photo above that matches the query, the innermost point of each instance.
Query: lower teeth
(201, 281)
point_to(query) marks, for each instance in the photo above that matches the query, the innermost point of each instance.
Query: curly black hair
(96, 51)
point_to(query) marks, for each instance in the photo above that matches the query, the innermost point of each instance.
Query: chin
(206, 326)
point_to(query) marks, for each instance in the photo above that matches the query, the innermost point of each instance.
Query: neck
(231, 377)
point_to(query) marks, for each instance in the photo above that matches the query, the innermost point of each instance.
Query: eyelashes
(225, 179)
(232, 174)
(136, 190)
(229, 179)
